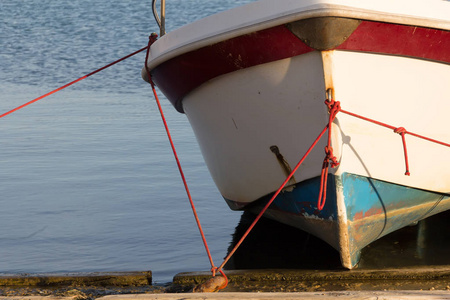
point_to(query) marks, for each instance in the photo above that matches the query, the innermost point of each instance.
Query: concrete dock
(419, 283)
(375, 295)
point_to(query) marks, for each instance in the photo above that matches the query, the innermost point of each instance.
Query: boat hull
(238, 117)
(256, 104)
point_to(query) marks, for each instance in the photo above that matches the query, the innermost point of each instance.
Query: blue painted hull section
(376, 208)
(372, 209)
(303, 200)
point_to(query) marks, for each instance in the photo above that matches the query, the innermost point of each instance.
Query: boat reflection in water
(272, 245)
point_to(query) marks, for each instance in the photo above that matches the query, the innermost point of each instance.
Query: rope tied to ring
(330, 160)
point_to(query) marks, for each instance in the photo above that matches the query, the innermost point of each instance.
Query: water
(87, 179)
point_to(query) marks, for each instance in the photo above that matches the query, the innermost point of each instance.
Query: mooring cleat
(212, 285)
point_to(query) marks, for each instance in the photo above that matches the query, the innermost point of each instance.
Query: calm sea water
(87, 178)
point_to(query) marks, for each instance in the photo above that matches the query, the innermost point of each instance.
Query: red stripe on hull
(410, 41)
(180, 75)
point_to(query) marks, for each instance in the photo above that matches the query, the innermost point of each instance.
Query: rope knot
(333, 107)
(152, 38)
(400, 130)
(329, 103)
(330, 158)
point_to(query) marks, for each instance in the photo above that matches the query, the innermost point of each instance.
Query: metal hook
(329, 94)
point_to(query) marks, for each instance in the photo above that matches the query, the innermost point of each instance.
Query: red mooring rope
(72, 82)
(273, 198)
(152, 39)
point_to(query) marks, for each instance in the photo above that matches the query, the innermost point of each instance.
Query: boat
(258, 83)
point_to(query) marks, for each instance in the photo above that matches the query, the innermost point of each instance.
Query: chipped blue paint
(374, 208)
(363, 195)
(302, 200)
